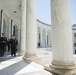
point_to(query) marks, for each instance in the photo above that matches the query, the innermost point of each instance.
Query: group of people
(11, 43)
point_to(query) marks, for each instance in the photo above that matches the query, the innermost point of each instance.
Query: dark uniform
(13, 43)
(0, 48)
(3, 43)
(8, 44)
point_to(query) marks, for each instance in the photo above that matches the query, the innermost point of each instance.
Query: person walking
(13, 44)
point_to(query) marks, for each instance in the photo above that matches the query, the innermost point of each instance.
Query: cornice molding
(43, 23)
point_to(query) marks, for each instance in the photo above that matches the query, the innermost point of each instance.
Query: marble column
(2, 16)
(11, 27)
(62, 48)
(46, 36)
(19, 43)
(9, 36)
(31, 31)
(23, 27)
(61, 33)
(49, 38)
(41, 39)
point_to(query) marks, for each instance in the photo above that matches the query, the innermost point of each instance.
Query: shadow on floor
(12, 69)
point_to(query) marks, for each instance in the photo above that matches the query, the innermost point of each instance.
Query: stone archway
(15, 31)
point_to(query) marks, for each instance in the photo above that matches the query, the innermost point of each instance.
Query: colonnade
(62, 53)
(43, 37)
(7, 25)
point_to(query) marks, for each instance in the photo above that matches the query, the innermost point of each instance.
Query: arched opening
(15, 31)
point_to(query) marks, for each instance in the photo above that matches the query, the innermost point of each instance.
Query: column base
(21, 53)
(61, 70)
(62, 65)
(32, 58)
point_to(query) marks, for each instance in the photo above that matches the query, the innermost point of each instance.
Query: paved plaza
(17, 66)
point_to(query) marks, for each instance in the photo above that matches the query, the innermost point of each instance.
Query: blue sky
(43, 10)
(73, 11)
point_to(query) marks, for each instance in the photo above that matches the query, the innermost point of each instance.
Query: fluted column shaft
(31, 28)
(61, 33)
(23, 26)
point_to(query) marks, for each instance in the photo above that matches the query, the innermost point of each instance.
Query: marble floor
(16, 66)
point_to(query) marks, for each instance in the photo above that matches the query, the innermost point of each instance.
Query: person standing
(3, 43)
(13, 44)
(0, 48)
